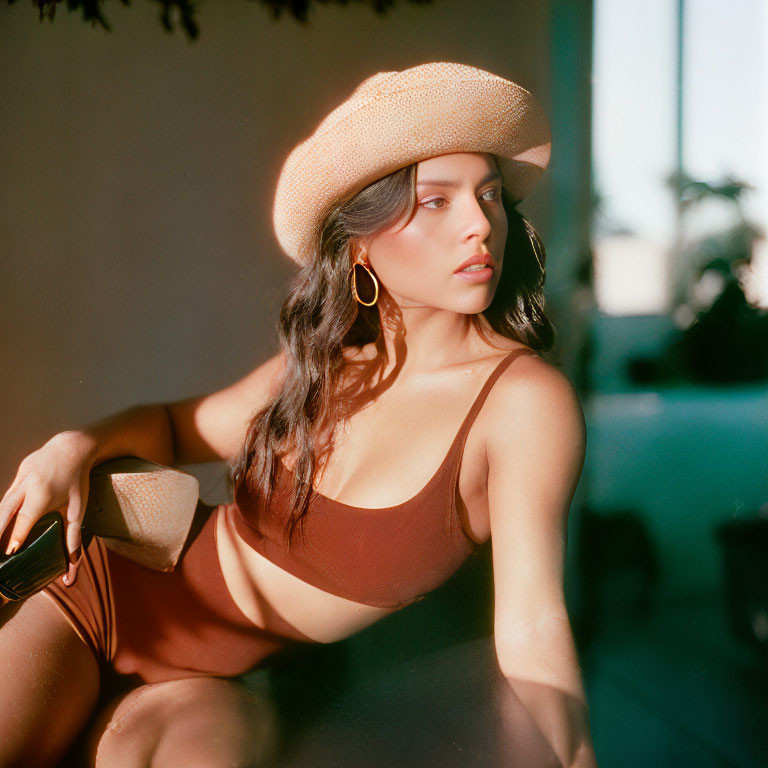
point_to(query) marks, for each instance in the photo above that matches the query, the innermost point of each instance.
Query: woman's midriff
(271, 597)
(183, 623)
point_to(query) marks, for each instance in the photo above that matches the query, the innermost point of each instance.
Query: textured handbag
(141, 510)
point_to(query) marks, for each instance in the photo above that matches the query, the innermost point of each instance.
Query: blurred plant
(718, 256)
(184, 11)
(723, 337)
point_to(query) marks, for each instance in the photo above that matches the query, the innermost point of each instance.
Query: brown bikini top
(386, 557)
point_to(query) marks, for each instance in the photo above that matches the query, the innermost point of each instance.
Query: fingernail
(12, 547)
(70, 576)
(74, 557)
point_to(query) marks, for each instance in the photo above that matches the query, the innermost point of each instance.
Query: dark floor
(676, 688)
(672, 688)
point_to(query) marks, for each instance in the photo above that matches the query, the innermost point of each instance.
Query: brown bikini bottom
(87, 604)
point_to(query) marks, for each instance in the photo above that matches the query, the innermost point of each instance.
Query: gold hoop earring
(354, 284)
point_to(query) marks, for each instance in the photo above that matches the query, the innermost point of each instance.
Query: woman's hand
(54, 477)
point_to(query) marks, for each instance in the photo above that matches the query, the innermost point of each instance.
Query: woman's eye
(490, 195)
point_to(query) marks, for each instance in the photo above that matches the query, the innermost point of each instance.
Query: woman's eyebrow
(492, 176)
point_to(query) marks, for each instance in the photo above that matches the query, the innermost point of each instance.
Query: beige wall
(138, 261)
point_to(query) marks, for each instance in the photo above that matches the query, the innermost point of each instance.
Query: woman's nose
(477, 222)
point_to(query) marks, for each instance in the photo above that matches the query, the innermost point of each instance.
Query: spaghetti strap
(461, 436)
(386, 557)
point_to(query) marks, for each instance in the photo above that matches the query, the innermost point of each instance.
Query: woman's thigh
(195, 722)
(49, 683)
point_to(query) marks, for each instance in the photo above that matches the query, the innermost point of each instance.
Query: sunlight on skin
(257, 585)
(524, 708)
(458, 214)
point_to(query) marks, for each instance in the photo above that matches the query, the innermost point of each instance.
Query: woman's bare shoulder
(535, 439)
(533, 400)
(532, 372)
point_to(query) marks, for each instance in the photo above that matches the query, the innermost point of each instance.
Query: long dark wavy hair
(320, 318)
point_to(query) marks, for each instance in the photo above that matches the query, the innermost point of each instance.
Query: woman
(409, 371)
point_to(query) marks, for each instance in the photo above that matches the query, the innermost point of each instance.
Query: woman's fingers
(9, 506)
(30, 511)
(74, 536)
(20, 510)
(52, 478)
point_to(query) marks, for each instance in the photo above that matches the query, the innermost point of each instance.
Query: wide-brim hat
(393, 119)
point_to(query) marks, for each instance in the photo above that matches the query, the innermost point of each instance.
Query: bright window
(723, 103)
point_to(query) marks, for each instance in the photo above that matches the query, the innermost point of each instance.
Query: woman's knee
(197, 722)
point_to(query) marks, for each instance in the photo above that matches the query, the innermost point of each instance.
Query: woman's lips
(476, 275)
(483, 258)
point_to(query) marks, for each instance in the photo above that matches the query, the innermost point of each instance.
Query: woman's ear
(358, 250)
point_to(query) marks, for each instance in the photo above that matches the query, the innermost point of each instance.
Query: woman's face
(458, 215)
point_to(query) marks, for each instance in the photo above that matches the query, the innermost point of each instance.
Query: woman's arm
(535, 448)
(212, 427)
(205, 428)
(208, 427)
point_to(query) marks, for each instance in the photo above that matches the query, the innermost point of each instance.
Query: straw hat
(393, 119)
